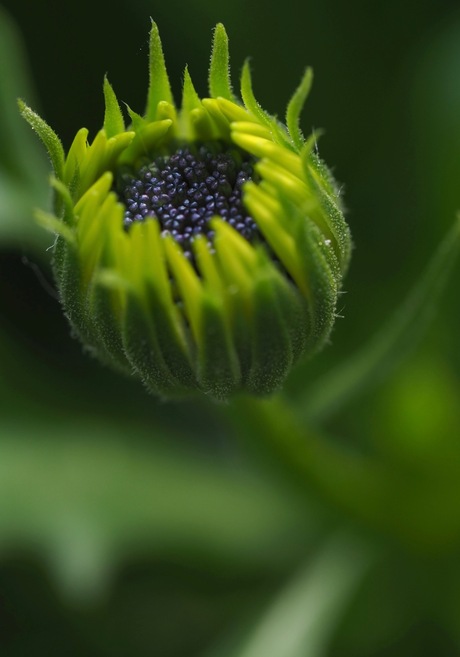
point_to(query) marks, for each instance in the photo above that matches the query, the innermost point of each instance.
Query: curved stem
(385, 350)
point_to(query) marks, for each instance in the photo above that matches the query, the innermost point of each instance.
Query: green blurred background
(133, 527)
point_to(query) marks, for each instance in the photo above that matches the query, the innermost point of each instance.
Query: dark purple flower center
(187, 188)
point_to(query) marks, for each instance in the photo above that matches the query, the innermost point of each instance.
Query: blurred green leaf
(79, 493)
(302, 620)
(23, 168)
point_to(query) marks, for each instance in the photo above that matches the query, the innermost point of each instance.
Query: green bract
(239, 313)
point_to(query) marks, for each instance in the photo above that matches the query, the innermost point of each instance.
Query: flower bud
(200, 248)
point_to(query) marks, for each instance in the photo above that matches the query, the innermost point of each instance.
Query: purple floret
(184, 190)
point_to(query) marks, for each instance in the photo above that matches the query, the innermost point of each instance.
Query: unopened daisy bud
(201, 248)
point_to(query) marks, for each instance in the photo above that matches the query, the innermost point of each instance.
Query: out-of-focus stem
(373, 494)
